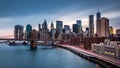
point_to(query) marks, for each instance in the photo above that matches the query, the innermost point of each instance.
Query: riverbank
(103, 60)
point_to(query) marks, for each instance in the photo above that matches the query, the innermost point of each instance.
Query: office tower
(91, 25)
(44, 25)
(98, 17)
(39, 27)
(18, 32)
(75, 28)
(103, 27)
(59, 26)
(28, 30)
(111, 30)
(44, 31)
(79, 26)
(39, 32)
(52, 31)
(66, 28)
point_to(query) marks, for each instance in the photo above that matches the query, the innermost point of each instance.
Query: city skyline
(34, 12)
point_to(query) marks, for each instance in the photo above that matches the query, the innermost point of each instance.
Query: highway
(92, 54)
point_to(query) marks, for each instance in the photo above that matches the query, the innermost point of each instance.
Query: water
(43, 57)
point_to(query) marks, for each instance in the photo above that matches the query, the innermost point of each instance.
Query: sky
(23, 12)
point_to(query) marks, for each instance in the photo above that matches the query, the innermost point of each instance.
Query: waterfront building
(91, 25)
(103, 27)
(27, 32)
(18, 32)
(108, 48)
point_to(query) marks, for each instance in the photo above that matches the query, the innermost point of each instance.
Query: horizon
(23, 12)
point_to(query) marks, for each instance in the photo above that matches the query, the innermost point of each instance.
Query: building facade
(66, 28)
(18, 32)
(79, 26)
(91, 25)
(52, 31)
(44, 31)
(75, 28)
(28, 31)
(108, 48)
(59, 26)
(103, 27)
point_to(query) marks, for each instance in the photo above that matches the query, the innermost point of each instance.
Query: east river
(44, 57)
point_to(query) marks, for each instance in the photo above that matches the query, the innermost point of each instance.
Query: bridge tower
(33, 39)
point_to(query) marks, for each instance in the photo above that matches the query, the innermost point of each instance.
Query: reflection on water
(43, 57)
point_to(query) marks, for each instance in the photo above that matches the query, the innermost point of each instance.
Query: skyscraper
(52, 30)
(28, 30)
(103, 27)
(75, 28)
(39, 27)
(18, 32)
(98, 17)
(44, 25)
(66, 28)
(39, 32)
(91, 25)
(87, 31)
(59, 26)
(44, 31)
(79, 26)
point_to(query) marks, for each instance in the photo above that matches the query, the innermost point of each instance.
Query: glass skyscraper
(59, 26)
(75, 28)
(91, 25)
(28, 30)
(18, 32)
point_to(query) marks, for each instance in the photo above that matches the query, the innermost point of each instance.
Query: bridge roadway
(92, 54)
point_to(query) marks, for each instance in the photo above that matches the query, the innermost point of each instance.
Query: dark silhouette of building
(79, 26)
(44, 25)
(18, 32)
(75, 28)
(44, 32)
(66, 28)
(98, 15)
(39, 27)
(59, 26)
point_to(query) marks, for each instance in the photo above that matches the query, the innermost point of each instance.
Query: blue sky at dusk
(23, 12)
